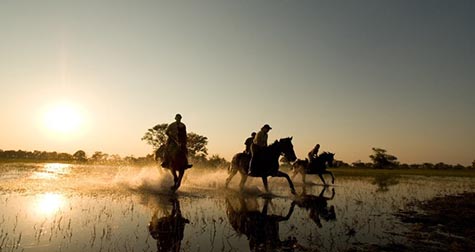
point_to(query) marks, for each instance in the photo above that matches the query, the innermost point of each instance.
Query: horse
(268, 165)
(177, 162)
(318, 166)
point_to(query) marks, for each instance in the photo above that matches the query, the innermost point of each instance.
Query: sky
(349, 75)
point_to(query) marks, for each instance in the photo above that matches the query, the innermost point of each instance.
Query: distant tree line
(79, 156)
(382, 160)
(199, 155)
(97, 157)
(198, 152)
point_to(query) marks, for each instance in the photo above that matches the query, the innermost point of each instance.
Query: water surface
(62, 207)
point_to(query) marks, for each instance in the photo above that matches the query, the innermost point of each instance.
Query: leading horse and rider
(262, 160)
(175, 155)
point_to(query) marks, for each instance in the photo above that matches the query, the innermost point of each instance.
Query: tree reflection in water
(168, 230)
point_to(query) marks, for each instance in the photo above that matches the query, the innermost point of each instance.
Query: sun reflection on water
(57, 168)
(52, 171)
(46, 205)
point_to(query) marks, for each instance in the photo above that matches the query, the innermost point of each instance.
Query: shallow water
(59, 207)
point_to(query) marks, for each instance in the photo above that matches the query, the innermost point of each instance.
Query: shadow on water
(384, 181)
(169, 229)
(317, 206)
(260, 228)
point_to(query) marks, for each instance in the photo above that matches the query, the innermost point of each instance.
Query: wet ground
(58, 207)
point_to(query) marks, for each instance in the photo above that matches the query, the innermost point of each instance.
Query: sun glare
(63, 118)
(48, 204)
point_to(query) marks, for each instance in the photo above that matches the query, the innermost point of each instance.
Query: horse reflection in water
(168, 230)
(261, 229)
(319, 167)
(317, 206)
(267, 165)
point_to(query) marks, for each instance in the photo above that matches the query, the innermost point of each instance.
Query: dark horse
(319, 166)
(268, 165)
(177, 162)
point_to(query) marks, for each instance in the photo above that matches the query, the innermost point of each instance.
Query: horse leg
(283, 174)
(232, 173)
(243, 181)
(331, 174)
(175, 179)
(180, 177)
(266, 185)
(303, 177)
(321, 177)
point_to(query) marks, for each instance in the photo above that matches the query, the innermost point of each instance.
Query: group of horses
(267, 165)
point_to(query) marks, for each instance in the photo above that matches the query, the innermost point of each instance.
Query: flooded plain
(63, 207)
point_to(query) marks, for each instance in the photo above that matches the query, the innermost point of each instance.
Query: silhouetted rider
(248, 143)
(177, 139)
(258, 144)
(313, 154)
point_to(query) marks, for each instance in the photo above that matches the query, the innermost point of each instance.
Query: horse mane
(279, 141)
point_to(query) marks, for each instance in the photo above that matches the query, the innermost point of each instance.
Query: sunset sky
(350, 75)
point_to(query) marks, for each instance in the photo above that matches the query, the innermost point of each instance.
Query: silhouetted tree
(65, 156)
(115, 158)
(473, 164)
(216, 161)
(156, 136)
(383, 160)
(98, 156)
(359, 164)
(427, 166)
(80, 156)
(340, 163)
(197, 144)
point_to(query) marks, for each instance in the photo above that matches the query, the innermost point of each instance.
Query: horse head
(287, 149)
(328, 158)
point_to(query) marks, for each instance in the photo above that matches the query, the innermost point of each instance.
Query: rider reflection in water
(168, 230)
(177, 138)
(260, 228)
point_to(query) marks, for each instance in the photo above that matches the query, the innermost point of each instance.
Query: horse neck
(324, 158)
(274, 150)
(321, 159)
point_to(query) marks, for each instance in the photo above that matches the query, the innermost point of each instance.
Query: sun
(63, 118)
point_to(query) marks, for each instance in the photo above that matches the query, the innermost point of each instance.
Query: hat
(266, 126)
